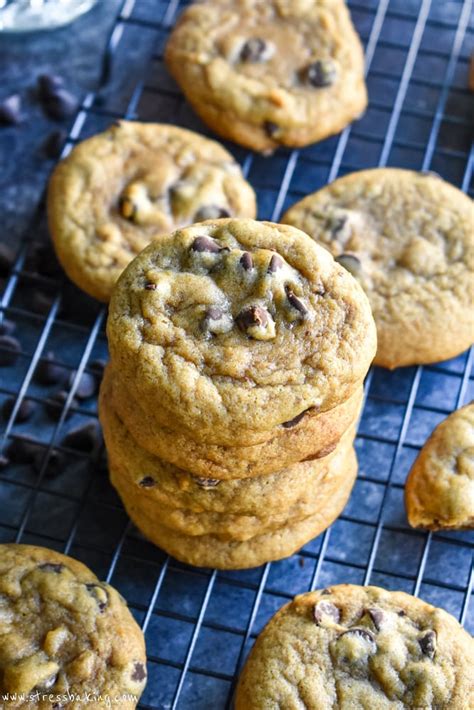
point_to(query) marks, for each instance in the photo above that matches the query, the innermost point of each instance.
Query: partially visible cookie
(439, 492)
(118, 190)
(233, 327)
(63, 633)
(407, 237)
(359, 648)
(270, 72)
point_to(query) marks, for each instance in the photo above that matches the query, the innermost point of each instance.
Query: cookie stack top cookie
(233, 327)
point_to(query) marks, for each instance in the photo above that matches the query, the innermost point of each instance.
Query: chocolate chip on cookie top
(407, 238)
(120, 189)
(241, 314)
(350, 646)
(62, 631)
(269, 72)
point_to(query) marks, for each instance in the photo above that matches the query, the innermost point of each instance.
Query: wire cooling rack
(199, 623)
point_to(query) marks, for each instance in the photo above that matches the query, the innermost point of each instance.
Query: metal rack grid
(200, 624)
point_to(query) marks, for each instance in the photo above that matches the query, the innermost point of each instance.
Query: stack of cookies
(238, 351)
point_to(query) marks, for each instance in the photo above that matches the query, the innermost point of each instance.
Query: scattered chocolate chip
(293, 422)
(25, 410)
(86, 387)
(61, 104)
(205, 244)
(98, 367)
(7, 259)
(321, 73)
(295, 302)
(326, 610)
(139, 672)
(216, 321)
(428, 643)
(10, 349)
(377, 616)
(253, 315)
(54, 405)
(401, 613)
(84, 438)
(54, 144)
(211, 212)
(147, 482)
(41, 303)
(57, 568)
(206, 483)
(364, 635)
(100, 594)
(253, 50)
(49, 84)
(10, 110)
(150, 287)
(350, 262)
(7, 327)
(275, 264)
(50, 372)
(271, 129)
(246, 261)
(335, 224)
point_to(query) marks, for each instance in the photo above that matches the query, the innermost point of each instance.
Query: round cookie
(231, 328)
(407, 238)
(118, 190)
(270, 72)
(306, 438)
(353, 647)
(63, 633)
(210, 551)
(439, 492)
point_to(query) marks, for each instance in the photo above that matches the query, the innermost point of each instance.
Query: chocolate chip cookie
(354, 647)
(439, 492)
(66, 639)
(407, 237)
(234, 327)
(270, 72)
(117, 191)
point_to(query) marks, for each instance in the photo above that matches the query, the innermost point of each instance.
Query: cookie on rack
(439, 492)
(118, 190)
(233, 327)
(266, 73)
(63, 633)
(359, 647)
(407, 238)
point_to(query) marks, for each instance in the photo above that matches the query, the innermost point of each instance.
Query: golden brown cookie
(439, 492)
(305, 438)
(359, 648)
(64, 634)
(270, 72)
(407, 237)
(118, 190)
(231, 328)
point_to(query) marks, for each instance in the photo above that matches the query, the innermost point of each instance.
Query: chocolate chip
(7, 259)
(350, 262)
(86, 387)
(100, 594)
(253, 50)
(216, 321)
(324, 611)
(54, 405)
(401, 613)
(293, 422)
(54, 144)
(377, 616)
(206, 483)
(366, 636)
(10, 110)
(214, 313)
(253, 315)
(205, 244)
(211, 212)
(147, 482)
(275, 264)
(150, 287)
(295, 302)
(7, 327)
(57, 568)
(84, 438)
(10, 349)
(321, 73)
(49, 84)
(25, 410)
(61, 104)
(271, 129)
(50, 372)
(246, 261)
(428, 643)
(139, 672)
